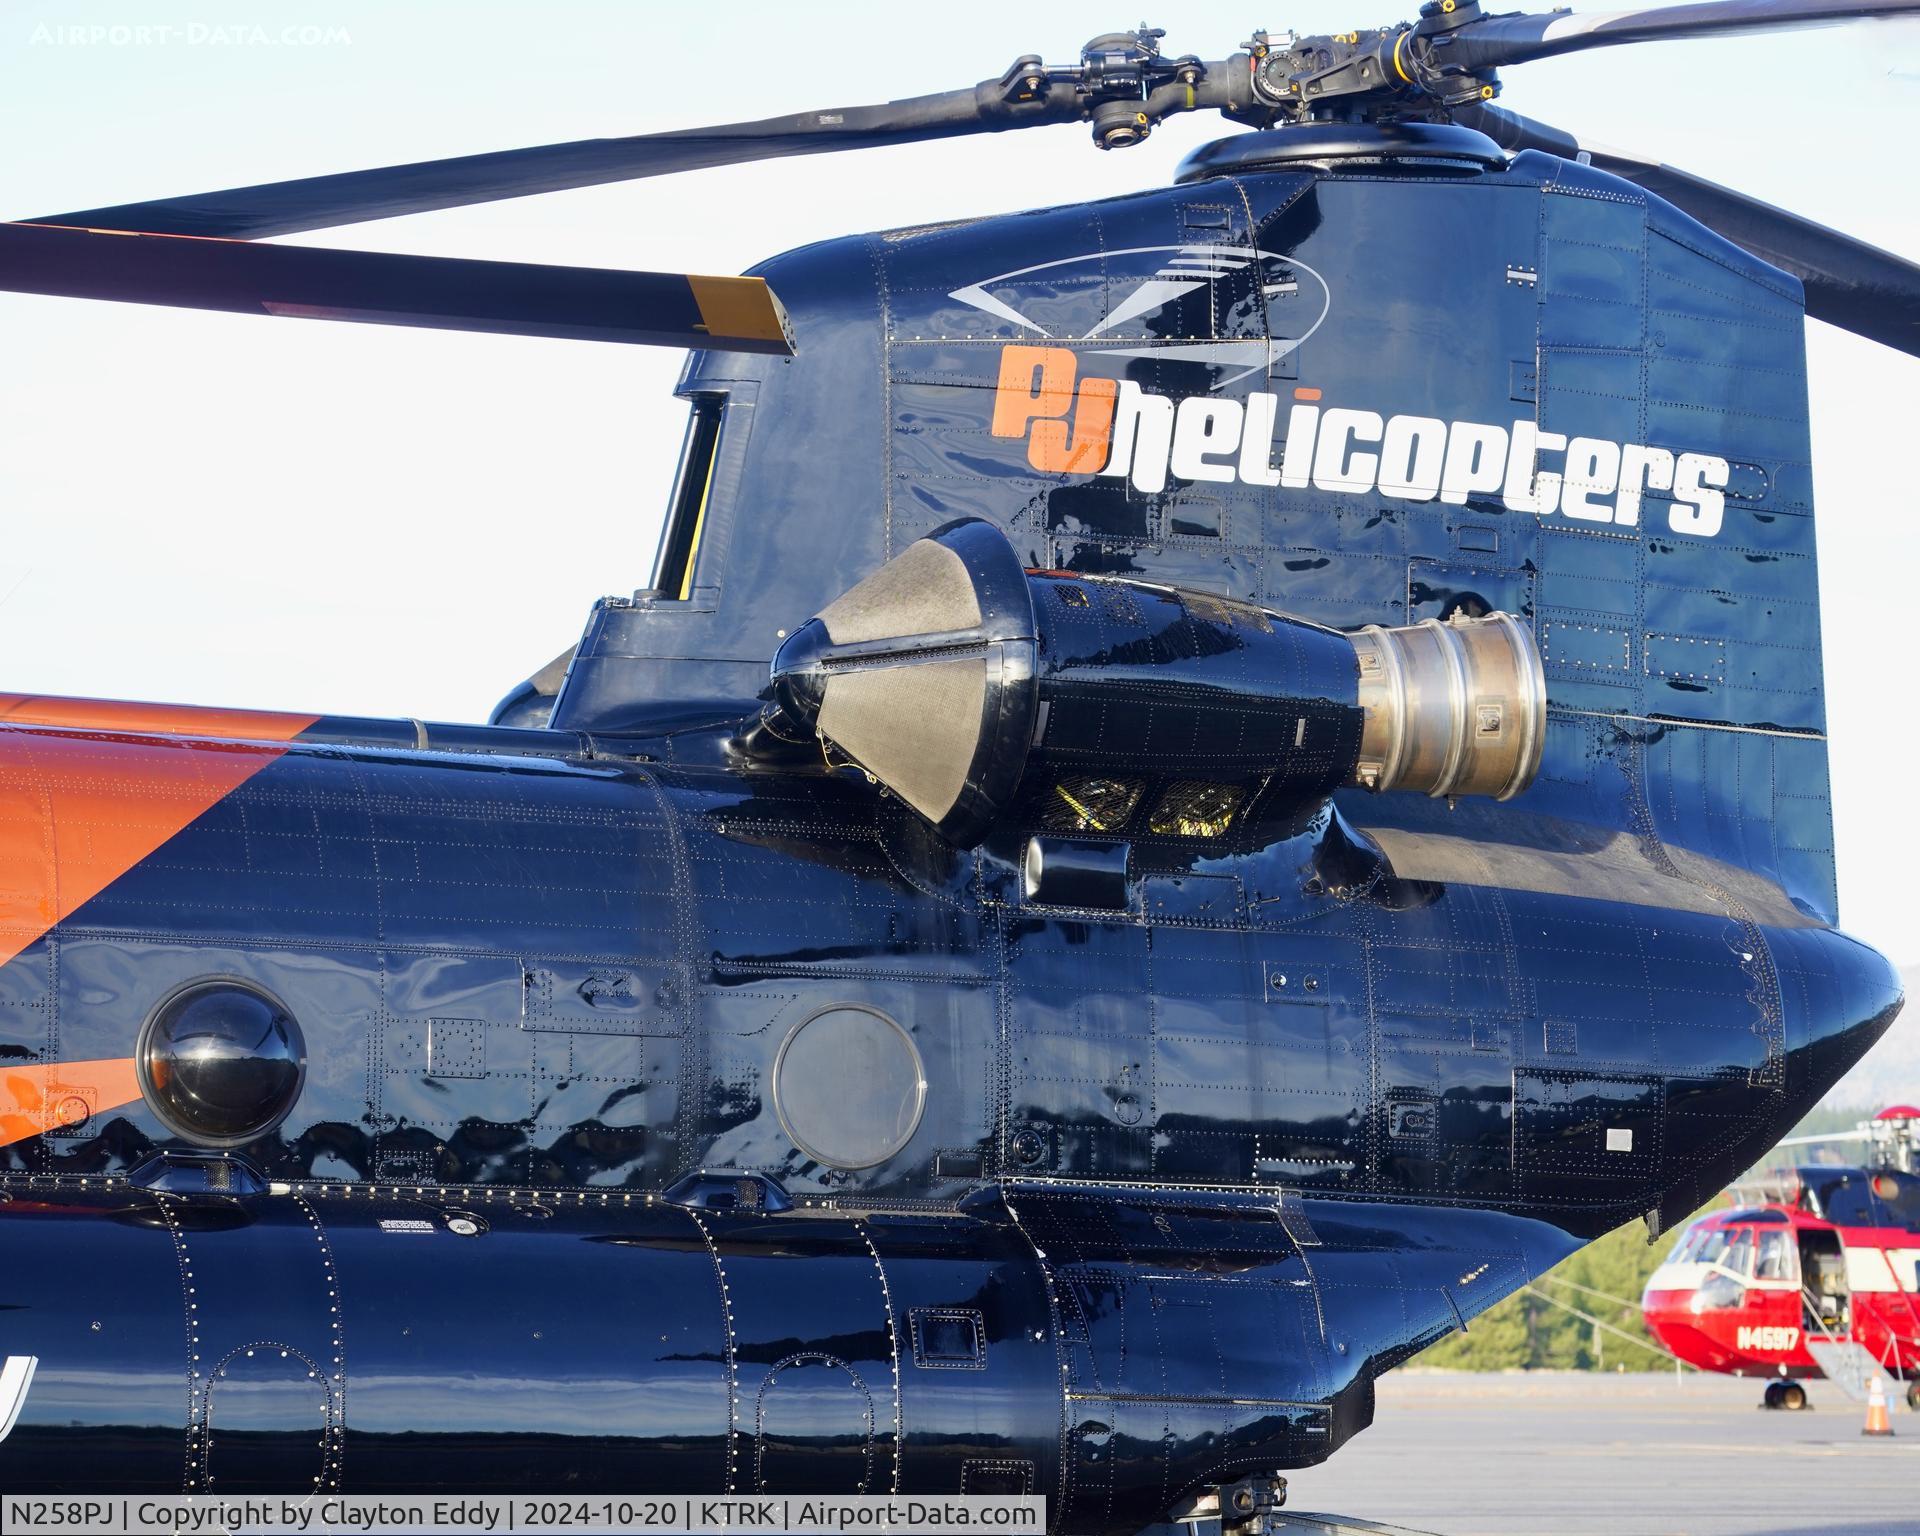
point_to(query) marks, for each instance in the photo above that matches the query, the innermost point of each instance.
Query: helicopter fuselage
(672, 1119)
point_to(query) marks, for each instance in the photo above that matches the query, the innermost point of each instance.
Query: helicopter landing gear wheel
(1793, 1396)
(1771, 1397)
(1913, 1395)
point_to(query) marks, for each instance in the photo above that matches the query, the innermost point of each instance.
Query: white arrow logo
(1177, 270)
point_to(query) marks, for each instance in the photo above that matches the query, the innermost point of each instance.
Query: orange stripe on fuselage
(44, 1098)
(82, 803)
(151, 719)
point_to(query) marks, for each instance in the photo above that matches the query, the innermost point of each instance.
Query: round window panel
(849, 1087)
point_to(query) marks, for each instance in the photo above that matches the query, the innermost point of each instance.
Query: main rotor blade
(1848, 283)
(320, 202)
(661, 309)
(1497, 41)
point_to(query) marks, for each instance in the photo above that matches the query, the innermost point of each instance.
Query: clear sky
(369, 520)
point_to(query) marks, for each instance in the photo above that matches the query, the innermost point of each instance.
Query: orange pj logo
(1069, 429)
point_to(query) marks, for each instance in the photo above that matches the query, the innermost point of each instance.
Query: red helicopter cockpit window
(1686, 1244)
(1738, 1256)
(1706, 1244)
(1718, 1290)
(1774, 1257)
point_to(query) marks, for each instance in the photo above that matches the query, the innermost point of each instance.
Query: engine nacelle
(965, 684)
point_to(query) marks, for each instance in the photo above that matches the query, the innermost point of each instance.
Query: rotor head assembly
(1441, 68)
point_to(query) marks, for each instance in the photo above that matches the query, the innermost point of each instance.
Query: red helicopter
(1811, 1272)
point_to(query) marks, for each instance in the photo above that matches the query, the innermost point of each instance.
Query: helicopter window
(1846, 1199)
(1900, 1194)
(686, 512)
(1687, 1244)
(1773, 1256)
(849, 1087)
(1713, 1243)
(1719, 1290)
(1739, 1254)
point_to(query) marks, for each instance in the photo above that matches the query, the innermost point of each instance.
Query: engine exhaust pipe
(1454, 708)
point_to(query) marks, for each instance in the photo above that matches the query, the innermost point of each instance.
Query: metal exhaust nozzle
(1454, 708)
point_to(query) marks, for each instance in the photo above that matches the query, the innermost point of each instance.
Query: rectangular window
(951, 1337)
(686, 512)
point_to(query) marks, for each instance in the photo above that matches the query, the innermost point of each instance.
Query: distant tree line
(1529, 1332)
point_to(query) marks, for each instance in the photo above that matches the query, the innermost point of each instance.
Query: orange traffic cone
(1876, 1408)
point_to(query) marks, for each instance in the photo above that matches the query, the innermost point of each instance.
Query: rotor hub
(1429, 148)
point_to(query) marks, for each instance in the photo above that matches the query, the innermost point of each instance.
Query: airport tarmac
(1551, 1453)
